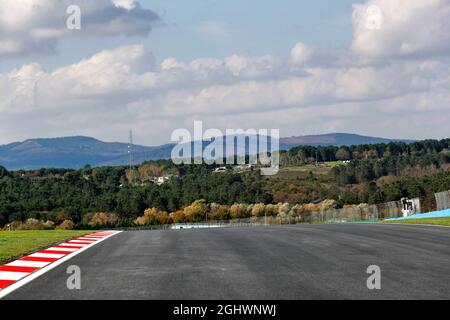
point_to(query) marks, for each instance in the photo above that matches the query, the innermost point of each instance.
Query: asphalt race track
(280, 262)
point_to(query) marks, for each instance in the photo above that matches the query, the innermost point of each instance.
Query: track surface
(283, 262)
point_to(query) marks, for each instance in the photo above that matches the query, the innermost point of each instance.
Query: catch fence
(362, 213)
(394, 209)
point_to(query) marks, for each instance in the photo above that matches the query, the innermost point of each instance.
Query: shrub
(271, 210)
(327, 204)
(65, 225)
(102, 218)
(310, 207)
(15, 225)
(32, 224)
(61, 216)
(296, 211)
(154, 217)
(283, 209)
(196, 212)
(219, 212)
(258, 210)
(49, 225)
(178, 216)
(238, 211)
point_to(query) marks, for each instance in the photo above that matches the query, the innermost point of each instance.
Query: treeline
(395, 188)
(202, 211)
(199, 211)
(44, 194)
(366, 170)
(306, 154)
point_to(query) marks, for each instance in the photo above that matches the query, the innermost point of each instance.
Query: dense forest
(304, 154)
(107, 189)
(349, 175)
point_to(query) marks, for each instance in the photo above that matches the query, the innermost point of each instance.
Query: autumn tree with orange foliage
(219, 212)
(154, 216)
(148, 171)
(100, 218)
(238, 211)
(178, 216)
(196, 212)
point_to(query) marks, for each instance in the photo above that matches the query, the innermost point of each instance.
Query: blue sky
(255, 27)
(251, 27)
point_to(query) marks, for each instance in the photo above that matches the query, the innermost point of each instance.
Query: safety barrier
(436, 202)
(361, 213)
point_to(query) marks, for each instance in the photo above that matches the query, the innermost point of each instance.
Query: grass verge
(432, 221)
(15, 244)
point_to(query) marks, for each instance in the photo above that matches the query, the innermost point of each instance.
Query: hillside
(334, 139)
(76, 152)
(73, 152)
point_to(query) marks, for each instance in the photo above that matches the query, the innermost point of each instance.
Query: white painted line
(25, 263)
(8, 275)
(62, 249)
(83, 242)
(46, 255)
(87, 239)
(34, 275)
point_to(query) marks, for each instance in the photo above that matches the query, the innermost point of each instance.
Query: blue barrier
(435, 214)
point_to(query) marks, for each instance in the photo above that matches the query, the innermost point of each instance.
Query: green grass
(322, 169)
(15, 244)
(333, 164)
(301, 172)
(433, 221)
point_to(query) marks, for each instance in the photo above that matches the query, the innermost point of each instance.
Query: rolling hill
(73, 152)
(333, 139)
(76, 152)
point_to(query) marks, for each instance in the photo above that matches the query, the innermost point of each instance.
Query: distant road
(282, 262)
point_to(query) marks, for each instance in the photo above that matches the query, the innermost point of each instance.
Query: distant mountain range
(333, 139)
(76, 152)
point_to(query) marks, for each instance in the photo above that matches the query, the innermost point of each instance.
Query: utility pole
(130, 156)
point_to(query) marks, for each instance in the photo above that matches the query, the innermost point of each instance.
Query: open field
(302, 184)
(432, 221)
(303, 171)
(14, 244)
(277, 262)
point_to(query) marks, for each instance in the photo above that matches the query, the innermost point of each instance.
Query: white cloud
(301, 53)
(373, 91)
(35, 26)
(405, 28)
(127, 4)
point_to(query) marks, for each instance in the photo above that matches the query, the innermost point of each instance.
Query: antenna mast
(130, 156)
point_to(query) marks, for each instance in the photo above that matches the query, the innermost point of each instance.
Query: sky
(372, 67)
